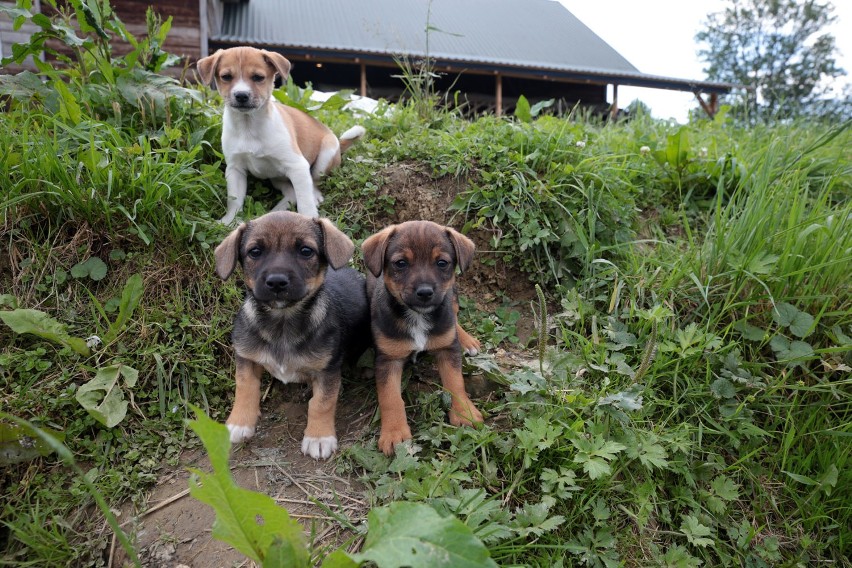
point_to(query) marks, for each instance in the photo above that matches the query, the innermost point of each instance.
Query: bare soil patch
(174, 529)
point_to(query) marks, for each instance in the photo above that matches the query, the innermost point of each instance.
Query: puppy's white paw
(319, 448)
(471, 351)
(240, 433)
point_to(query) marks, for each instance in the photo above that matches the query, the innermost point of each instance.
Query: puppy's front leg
(462, 410)
(303, 186)
(288, 194)
(389, 386)
(243, 419)
(237, 186)
(320, 440)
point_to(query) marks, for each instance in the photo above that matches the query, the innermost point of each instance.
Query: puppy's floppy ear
(464, 248)
(338, 247)
(207, 67)
(374, 250)
(281, 64)
(228, 252)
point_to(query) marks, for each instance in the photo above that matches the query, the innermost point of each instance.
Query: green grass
(691, 399)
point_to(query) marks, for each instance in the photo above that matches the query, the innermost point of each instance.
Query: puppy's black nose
(424, 292)
(241, 98)
(277, 282)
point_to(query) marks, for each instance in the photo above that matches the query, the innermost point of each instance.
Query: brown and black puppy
(304, 315)
(413, 307)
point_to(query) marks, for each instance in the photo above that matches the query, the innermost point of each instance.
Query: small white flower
(645, 150)
(93, 341)
(581, 144)
(703, 152)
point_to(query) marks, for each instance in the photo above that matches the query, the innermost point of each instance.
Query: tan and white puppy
(265, 138)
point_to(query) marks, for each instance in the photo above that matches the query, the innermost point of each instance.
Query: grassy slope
(669, 422)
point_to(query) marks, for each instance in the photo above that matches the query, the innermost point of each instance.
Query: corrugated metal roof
(536, 34)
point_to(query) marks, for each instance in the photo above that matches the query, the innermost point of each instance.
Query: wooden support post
(613, 110)
(363, 79)
(499, 95)
(709, 109)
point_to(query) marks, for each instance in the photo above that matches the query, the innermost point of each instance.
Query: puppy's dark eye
(226, 77)
(400, 264)
(442, 264)
(255, 252)
(257, 78)
(306, 252)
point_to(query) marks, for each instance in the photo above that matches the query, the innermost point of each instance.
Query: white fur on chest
(288, 369)
(418, 328)
(258, 142)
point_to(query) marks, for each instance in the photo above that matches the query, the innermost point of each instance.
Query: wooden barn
(491, 51)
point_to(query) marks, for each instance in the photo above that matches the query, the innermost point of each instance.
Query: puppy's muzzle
(425, 292)
(424, 298)
(279, 289)
(243, 100)
(277, 283)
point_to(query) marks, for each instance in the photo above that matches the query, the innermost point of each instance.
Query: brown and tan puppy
(305, 314)
(413, 308)
(269, 140)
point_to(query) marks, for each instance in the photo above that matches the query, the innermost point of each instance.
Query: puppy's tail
(350, 137)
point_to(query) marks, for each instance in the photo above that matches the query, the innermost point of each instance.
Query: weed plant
(684, 401)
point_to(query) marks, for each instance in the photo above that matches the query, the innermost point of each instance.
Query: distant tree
(638, 108)
(778, 48)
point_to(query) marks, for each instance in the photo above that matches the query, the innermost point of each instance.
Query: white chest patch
(419, 329)
(259, 143)
(286, 371)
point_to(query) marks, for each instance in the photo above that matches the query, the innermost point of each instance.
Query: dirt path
(175, 529)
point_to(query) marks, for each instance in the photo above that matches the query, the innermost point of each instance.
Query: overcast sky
(658, 38)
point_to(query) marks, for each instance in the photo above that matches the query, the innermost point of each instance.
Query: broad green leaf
(695, 532)
(69, 108)
(723, 389)
(653, 455)
(609, 449)
(536, 109)
(842, 338)
(678, 557)
(249, 521)
(103, 396)
(828, 481)
(790, 352)
(416, 536)
(370, 459)
(20, 443)
(725, 488)
(788, 315)
(762, 263)
(39, 323)
(337, 559)
(630, 399)
(802, 325)
(93, 267)
(594, 467)
(748, 331)
(677, 148)
(784, 313)
(522, 109)
(130, 297)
